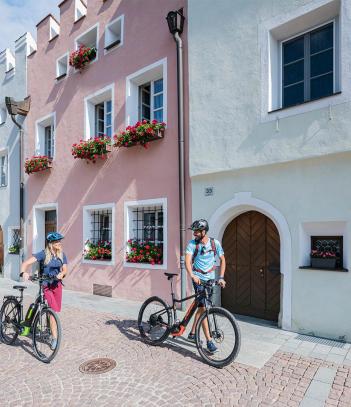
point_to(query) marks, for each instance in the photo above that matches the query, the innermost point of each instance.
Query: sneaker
(191, 338)
(211, 347)
(53, 344)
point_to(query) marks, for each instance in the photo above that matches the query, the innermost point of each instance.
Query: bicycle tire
(207, 356)
(164, 310)
(39, 333)
(17, 316)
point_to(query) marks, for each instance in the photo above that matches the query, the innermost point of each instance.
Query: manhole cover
(97, 366)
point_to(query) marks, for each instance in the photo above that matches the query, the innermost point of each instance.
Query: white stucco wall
(12, 84)
(309, 192)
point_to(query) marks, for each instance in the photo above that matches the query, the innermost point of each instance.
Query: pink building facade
(131, 195)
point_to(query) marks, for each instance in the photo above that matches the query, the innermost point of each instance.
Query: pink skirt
(53, 296)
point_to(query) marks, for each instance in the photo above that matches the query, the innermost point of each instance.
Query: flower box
(83, 56)
(37, 164)
(144, 252)
(323, 263)
(15, 249)
(142, 133)
(97, 251)
(92, 149)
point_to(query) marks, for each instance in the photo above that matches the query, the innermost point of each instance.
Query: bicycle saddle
(170, 275)
(19, 287)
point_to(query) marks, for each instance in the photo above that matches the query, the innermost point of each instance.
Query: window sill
(99, 262)
(80, 18)
(61, 76)
(53, 38)
(145, 266)
(322, 269)
(10, 70)
(303, 103)
(112, 45)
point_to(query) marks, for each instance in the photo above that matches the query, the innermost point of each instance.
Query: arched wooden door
(251, 245)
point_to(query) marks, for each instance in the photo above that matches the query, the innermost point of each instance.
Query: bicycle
(156, 322)
(39, 322)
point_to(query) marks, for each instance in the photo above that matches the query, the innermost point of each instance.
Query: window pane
(158, 115)
(158, 86)
(158, 101)
(146, 112)
(149, 226)
(293, 95)
(322, 86)
(322, 63)
(293, 73)
(108, 120)
(109, 131)
(322, 39)
(108, 106)
(101, 127)
(293, 50)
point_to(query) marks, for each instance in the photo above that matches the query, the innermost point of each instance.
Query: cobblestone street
(171, 374)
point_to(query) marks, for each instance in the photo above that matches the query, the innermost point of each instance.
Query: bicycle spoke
(46, 335)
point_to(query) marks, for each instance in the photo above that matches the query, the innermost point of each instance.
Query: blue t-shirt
(204, 261)
(53, 268)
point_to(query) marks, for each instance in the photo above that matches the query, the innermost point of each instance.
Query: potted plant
(80, 58)
(141, 133)
(323, 259)
(37, 163)
(14, 249)
(90, 150)
(97, 251)
(143, 252)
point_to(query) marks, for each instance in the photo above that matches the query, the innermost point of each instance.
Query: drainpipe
(180, 92)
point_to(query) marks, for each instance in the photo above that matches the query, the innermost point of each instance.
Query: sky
(20, 16)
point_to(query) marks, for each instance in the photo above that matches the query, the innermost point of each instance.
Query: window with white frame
(14, 240)
(88, 39)
(146, 96)
(146, 225)
(114, 33)
(98, 233)
(151, 101)
(54, 28)
(99, 113)
(2, 114)
(3, 170)
(80, 10)
(45, 136)
(62, 66)
(308, 66)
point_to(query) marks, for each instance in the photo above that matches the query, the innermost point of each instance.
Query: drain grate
(321, 341)
(97, 366)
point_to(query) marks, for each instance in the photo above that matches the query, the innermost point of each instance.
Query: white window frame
(77, 42)
(128, 222)
(58, 62)
(106, 37)
(282, 27)
(81, 8)
(87, 209)
(54, 29)
(102, 95)
(105, 118)
(6, 169)
(9, 236)
(3, 114)
(152, 96)
(40, 125)
(149, 73)
(39, 224)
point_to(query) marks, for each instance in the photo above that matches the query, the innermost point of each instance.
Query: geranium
(91, 149)
(320, 254)
(141, 133)
(80, 58)
(37, 163)
(97, 251)
(144, 252)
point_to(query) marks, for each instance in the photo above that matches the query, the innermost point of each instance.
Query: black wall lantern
(175, 20)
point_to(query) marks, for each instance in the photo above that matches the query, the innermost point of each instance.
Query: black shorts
(199, 288)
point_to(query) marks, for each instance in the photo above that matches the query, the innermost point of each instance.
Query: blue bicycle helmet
(54, 237)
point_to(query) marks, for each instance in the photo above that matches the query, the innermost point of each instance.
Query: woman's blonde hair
(48, 253)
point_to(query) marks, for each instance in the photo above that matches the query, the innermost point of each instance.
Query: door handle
(261, 272)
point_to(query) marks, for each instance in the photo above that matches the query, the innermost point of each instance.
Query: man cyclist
(200, 257)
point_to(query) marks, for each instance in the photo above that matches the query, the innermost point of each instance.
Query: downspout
(180, 92)
(21, 189)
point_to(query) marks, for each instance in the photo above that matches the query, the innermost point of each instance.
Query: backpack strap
(196, 251)
(213, 246)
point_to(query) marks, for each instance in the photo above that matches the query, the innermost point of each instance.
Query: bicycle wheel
(46, 328)
(154, 321)
(10, 318)
(225, 333)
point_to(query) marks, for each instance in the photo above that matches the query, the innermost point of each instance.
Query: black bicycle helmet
(200, 224)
